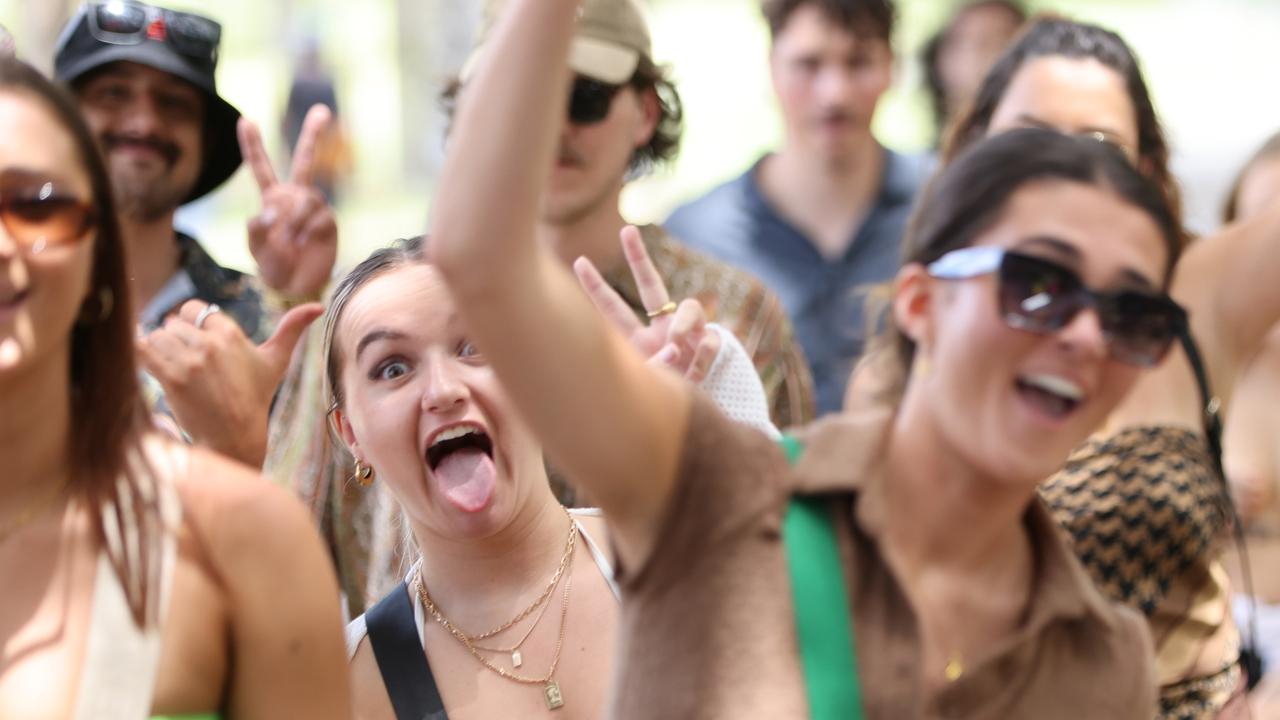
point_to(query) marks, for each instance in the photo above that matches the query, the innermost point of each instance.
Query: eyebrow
(1061, 247)
(374, 336)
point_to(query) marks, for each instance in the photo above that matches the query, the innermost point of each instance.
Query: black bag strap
(393, 634)
(1250, 660)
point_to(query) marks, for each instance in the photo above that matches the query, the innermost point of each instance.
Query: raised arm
(613, 423)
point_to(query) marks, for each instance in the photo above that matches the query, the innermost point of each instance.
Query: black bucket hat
(179, 43)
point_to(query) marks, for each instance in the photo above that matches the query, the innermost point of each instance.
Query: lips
(1052, 395)
(460, 459)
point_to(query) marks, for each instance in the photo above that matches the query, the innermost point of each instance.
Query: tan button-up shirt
(708, 623)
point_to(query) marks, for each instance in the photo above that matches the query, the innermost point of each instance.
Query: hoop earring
(364, 474)
(98, 309)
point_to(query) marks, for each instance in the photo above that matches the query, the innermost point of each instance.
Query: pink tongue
(466, 479)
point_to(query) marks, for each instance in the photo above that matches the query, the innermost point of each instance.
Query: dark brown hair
(1053, 36)
(1269, 148)
(108, 472)
(968, 196)
(863, 18)
(663, 145)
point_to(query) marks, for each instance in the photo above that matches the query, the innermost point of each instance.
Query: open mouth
(458, 439)
(461, 462)
(1050, 394)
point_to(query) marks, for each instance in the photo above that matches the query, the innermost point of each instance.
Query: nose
(833, 85)
(446, 391)
(1084, 335)
(141, 118)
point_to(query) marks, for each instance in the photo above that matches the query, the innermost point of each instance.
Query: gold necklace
(517, 659)
(555, 579)
(551, 692)
(31, 512)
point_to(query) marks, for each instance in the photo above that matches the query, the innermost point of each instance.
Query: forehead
(1072, 95)
(1110, 235)
(411, 300)
(143, 76)
(32, 139)
(809, 27)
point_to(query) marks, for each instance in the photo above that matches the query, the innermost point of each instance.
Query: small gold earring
(921, 367)
(99, 308)
(364, 474)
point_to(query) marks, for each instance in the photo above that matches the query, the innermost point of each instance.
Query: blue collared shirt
(735, 223)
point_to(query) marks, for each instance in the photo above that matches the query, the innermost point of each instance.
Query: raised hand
(294, 238)
(676, 335)
(217, 383)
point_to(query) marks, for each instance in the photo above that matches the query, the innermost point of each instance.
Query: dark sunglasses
(123, 22)
(1042, 296)
(39, 215)
(590, 100)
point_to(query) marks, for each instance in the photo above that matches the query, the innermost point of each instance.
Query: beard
(146, 191)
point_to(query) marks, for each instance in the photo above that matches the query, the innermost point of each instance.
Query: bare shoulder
(238, 513)
(368, 691)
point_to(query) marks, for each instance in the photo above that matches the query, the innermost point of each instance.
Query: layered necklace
(550, 688)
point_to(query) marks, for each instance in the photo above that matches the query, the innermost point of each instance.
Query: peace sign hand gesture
(676, 335)
(295, 237)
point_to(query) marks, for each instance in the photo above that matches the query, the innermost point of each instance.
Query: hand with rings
(676, 335)
(218, 384)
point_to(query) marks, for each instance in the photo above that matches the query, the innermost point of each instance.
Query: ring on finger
(208, 310)
(667, 309)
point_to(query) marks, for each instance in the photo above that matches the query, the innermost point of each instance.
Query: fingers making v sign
(294, 239)
(676, 335)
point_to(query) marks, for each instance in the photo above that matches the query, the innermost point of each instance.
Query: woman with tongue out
(1031, 299)
(510, 612)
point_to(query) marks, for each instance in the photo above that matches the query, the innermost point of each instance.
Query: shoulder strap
(823, 626)
(393, 634)
(1211, 406)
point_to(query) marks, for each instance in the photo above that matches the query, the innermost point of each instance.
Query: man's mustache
(169, 151)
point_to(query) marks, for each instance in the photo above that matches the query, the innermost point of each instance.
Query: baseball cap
(179, 43)
(610, 38)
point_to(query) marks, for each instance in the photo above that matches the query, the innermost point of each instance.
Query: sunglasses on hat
(1041, 296)
(36, 213)
(590, 100)
(127, 22)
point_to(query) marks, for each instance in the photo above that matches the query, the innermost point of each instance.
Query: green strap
(823, 625)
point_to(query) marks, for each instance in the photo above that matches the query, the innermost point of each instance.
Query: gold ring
(667, 309)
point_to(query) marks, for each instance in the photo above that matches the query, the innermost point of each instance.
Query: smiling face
(1014, 403)
(150, 126)
(42, 285)
(423, 408)
(828, 81)
(1076, 96)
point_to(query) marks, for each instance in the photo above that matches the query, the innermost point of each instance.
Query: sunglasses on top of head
(126, 22)
(1041, 296)
(590, 100)
(39, 214)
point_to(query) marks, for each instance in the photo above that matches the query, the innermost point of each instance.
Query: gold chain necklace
(31, 512)
(550, 688)
(555, 579)
(517, 659)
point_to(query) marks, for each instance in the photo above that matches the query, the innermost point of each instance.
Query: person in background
(312, 85)
(144, 78)
(1251, 450)
(141, 576)
(957, 57)
(820, 220)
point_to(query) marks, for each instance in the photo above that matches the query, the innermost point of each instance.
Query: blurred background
(1211, 65)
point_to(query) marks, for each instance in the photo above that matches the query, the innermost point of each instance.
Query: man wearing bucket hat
(144, 77)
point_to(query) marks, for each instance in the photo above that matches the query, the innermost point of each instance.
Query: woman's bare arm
(287, 653)
(614, 424)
